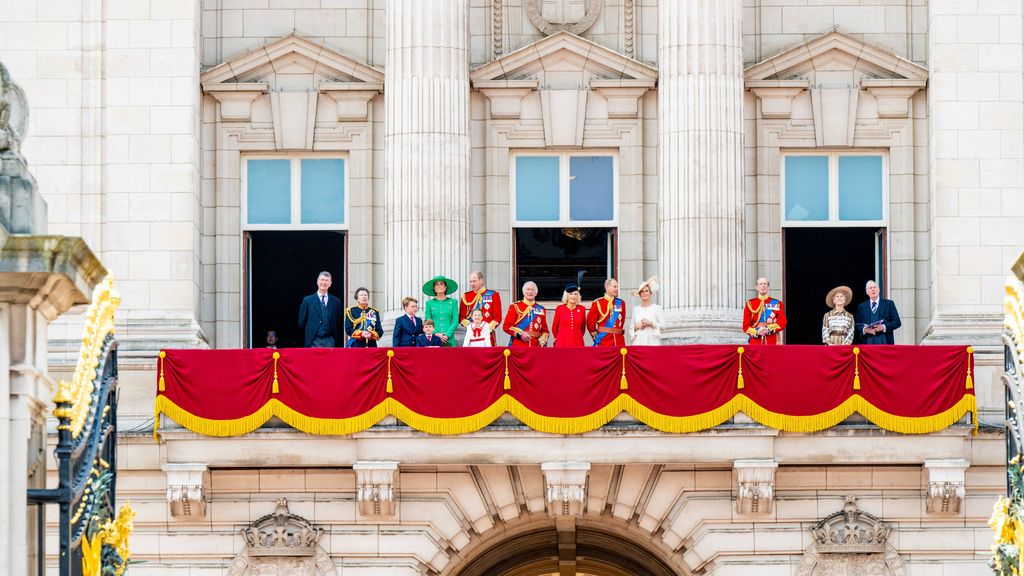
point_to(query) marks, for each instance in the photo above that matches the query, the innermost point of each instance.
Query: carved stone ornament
(945, 485)
(13, 113)
(755, 486)
(851, 531)
(281, 534)
(565, 487)
(282, 544)
(186, 489)
(851, 543)
(375, 487)
(548, 25)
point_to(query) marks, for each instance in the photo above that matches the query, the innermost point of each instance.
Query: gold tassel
(275, 388)
(856, 368)
(970, 380)
(389, 388)
(739, 377)
(623, 385)
(508, 381)
(160, 385)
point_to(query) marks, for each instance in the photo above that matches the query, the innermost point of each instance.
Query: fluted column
(426, 145)
(700, 173)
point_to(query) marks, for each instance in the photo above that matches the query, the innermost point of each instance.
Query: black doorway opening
(283, 268)
(817, 260)
(554, 257)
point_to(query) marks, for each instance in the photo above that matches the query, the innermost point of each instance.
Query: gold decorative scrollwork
(99, 323)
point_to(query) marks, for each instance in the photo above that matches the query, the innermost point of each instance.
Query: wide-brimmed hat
(428, 286)
(844, 290)
(651, 283)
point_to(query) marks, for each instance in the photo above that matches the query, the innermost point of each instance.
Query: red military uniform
(489, 303)
(764, 312)
(606, 321)
(527, 317)
(568, 326)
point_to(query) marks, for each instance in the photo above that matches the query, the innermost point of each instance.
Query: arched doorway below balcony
(567, 547)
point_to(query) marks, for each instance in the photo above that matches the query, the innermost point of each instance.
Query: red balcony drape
(907, 389)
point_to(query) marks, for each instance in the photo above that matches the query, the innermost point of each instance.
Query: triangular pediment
(564, 52)
(292, 56)
(835, 52)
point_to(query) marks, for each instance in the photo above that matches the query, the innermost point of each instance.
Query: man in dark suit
(320, 315)
(407, 326)
(877, 318)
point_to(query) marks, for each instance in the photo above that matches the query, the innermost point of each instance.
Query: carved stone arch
(282, 544)
(593, 546)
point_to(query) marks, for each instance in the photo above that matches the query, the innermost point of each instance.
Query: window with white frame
(294, 193)
(564, 218)
(841, 188)
(294, 219)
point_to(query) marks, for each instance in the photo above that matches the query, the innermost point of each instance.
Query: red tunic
(568, 326)
(489, 303)
(765, 312)
(538, 327)
(596, 320)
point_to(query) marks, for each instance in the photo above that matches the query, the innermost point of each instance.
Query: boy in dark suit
(407, 326)
(877, 318)
(320, 315)
(428, 339)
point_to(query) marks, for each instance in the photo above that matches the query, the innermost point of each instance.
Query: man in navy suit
(407, 326)
(877, 318)
(320, 315)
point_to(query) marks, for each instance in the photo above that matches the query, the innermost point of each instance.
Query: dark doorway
(283, 268)
(819, 259)
(554, 257)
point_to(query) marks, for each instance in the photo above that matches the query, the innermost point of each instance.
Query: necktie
(323, 299)
(874, 306)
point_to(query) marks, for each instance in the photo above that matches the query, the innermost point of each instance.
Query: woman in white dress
(646, 327)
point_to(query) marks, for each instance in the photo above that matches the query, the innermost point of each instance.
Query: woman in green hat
(442, 309)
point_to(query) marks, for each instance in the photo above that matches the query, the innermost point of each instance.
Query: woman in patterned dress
(837, 325)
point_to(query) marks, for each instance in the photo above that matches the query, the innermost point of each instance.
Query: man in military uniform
(526, 321)
(362, 322)
(483, 299)
(607, 317)
(763, 317)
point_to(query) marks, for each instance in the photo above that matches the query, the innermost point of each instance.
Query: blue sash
(610, 321)
(363, 321)
(771, 306)
(488, 294)
(525, 322)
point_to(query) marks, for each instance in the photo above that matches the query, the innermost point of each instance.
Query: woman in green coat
(442, 309)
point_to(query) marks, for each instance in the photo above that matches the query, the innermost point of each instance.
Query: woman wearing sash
(362, 322)
(526, 321)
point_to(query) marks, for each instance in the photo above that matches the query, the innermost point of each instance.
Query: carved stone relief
(575, 16)
(851, 543)
(282, 544)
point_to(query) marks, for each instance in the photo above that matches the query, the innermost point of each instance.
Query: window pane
(590, 188)
(860, 187)
(323, 191)
(269, 192)
(537, 188)
(807, 187)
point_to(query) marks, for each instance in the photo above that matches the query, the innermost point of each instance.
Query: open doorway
(819, 259)
(282, 269)
(554, 257)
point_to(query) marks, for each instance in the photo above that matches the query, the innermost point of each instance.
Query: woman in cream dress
(646, 327)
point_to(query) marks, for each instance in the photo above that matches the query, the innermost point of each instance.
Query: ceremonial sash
(770, 307)
(611, 318)
(369, 315)
(524, 320)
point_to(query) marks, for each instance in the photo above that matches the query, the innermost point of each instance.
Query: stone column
(426, 146)
(700, 169)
